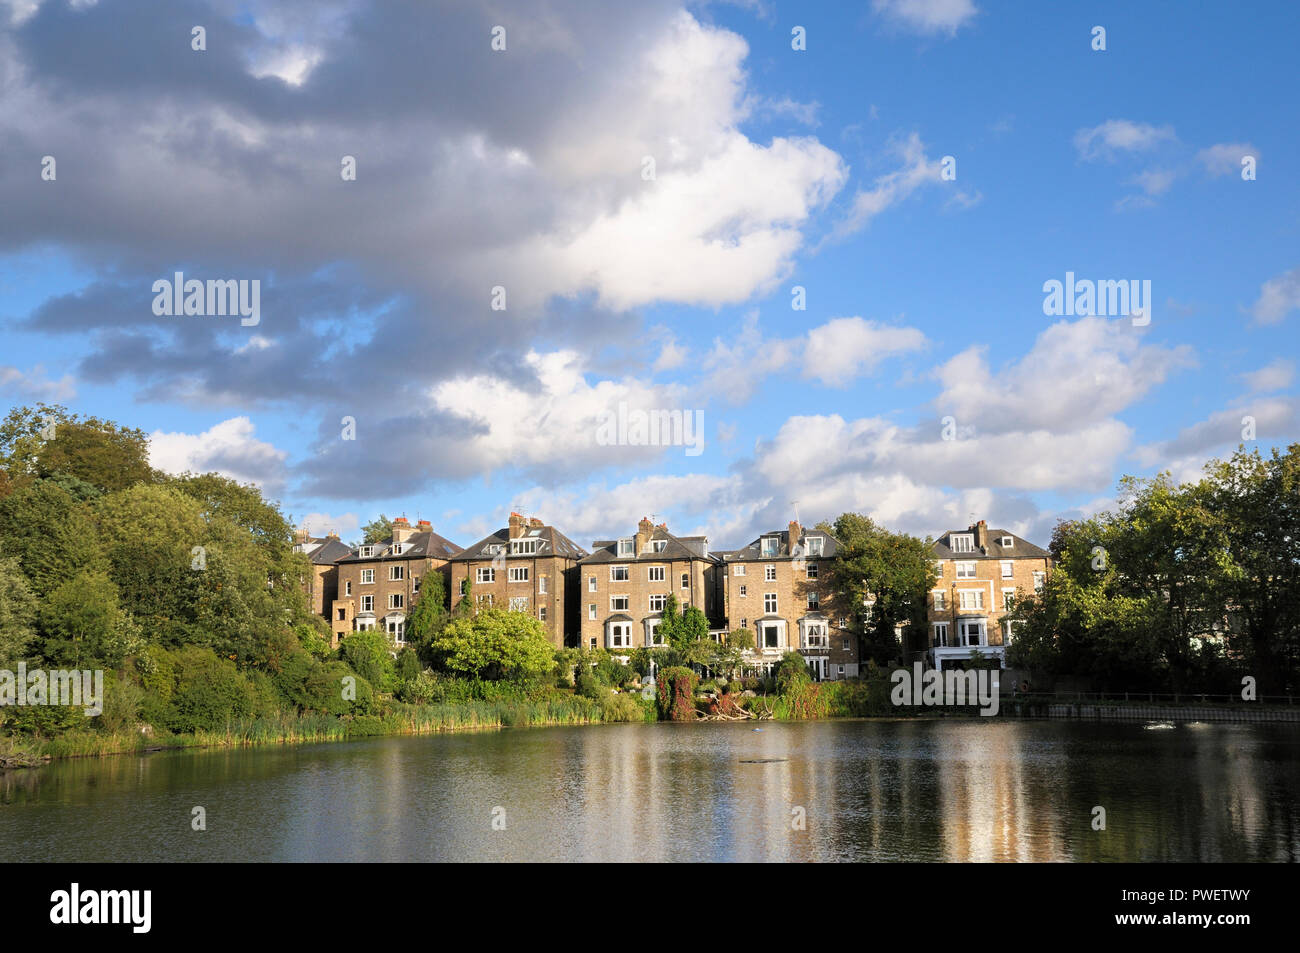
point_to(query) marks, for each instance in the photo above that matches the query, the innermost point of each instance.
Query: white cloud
(229, 448)
(1155, 181)
(1076, 374)
(34, 385)
(1278, 297)
(1225, 157)
(1274, 417)
(739, 363)
(927, 16)
(917, 170)
(1275, 376)
(552, 424)
(845, 348)
(318, 524)
(1120, 135)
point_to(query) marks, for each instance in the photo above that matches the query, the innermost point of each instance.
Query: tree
(495, 644)
(370, 653)
(892, 571)
(84, 623)
(48, 532)
(99, 452)
(17, 612)
(378, 530)
(429, 615)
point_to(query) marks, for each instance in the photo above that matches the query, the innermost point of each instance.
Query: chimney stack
(644, 530)
(401, 529)
(332, 535)
(535, 523)
(424, 526)
(301, 535)
(796, 534)
(981, 535)
(517, 524)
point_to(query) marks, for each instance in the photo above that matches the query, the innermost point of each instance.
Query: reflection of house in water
(991, 808)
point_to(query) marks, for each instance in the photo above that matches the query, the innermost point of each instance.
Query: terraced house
(526, 566)
(378, 584)
(777, 587)
(625, 583)
(980, 573)
(322, 583)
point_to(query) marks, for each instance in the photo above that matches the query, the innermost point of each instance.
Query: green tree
(48, 532)
(893, 571)
(99, 452)
(495, 644)
(17, 613)
(378, 530)
(370, 653)
(84, 623)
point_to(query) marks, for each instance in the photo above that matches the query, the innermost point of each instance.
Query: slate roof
(675, 547)
(418, 546)
(329, 551)
(550, 542)
(754, 551)
(1020, 547)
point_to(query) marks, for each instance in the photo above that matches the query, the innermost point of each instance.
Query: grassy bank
(308, 728)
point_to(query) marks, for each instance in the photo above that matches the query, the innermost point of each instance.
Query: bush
(370, 655)
(209, 692)
(676, 693)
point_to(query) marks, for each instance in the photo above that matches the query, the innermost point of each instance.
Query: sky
(826, 231)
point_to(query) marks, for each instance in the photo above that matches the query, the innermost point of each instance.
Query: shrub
(676, 693)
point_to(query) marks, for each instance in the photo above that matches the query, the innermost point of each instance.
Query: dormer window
(523, 547)
(366, 551)
(1007, 542)
(657, 545)
(769, 545)
(962, 543)
(399, 548)
(627, 547)
(814, 545)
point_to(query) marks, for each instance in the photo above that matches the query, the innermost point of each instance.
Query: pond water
(852, 790)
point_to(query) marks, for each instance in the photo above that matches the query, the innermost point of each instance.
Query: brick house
(526, 566)
(624, 584)
(980, 572)
(778, 588)
(378, 584)
(323, 552)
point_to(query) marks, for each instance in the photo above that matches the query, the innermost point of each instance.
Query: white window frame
(966, 569)
(626, 547)
(625, 600)
(1008, 569)
(739, 569)
(657, 597)
(940, 600)
(518, 603)
(655, 573)
(485, 575)
(368, 603)
(396, 573)
(940, 634)
(367, 577)
(770, 603)
(619, 574)
(396, 600)
(744, 591)
(962, 542)
(814, 545)
(769, 574)
(591, 611)
(517, 574)
(965, 605)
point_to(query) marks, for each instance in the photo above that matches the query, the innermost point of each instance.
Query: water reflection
(955, 790)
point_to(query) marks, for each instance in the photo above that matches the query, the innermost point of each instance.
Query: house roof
(327, 550)
(1020, 548)
(423, 545)
(675, 547)
(754, 551)
(550, 542)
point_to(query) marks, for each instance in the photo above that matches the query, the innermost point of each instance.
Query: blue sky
(774, 168)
